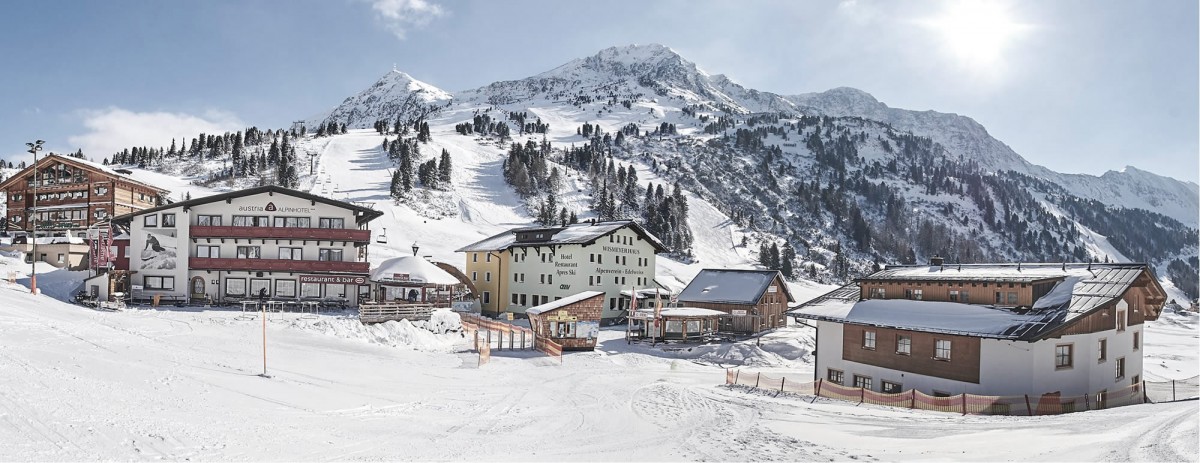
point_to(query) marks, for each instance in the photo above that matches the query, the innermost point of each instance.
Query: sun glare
(976, 33)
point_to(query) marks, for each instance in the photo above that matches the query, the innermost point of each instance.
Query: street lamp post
(34, 148)
(415, 248)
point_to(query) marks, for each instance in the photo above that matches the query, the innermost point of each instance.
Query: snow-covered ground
(184, 384)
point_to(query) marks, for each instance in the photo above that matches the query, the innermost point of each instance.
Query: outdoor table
(247, 303)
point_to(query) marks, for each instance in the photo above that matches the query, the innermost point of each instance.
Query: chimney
(936, 261)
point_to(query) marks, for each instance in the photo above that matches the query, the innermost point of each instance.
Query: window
(877, 293)
(1012, 298)
(101, 213)
(235, 286)
(524, 299)
(159, 283)
(599, 258)
(326, 222)
(291, 253)
(487, 297)
(251, 221)
(487, 276)
(475, 257)
(61, 258)
(474, 276)
(208, 220)
(941, 349)
(1120, 320)
(208, 251)
(835, 376)
(249, 252)
(999, 297)
(1063, 357)
(964, 297)
(542, 278)
(168, 220)
(488, 257)
(1102, 351)
(890, 387)
(1120, 367)
(862, 381)
(903, 344)
(16, 197)
(101, 190)
(550, 279)
(150, 220)
(260, 287)
(917, 294)
(868, 340)
(310, 290)
(953, 295)
(514, 298)
(285, 288)
(329, 255)
(1136, 341)
(334, 290)
(293, 222)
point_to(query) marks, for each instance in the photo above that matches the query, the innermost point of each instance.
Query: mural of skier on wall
(160, 251)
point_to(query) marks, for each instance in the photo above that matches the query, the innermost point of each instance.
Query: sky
(1077, 86)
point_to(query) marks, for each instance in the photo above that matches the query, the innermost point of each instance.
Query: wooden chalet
(757, 300)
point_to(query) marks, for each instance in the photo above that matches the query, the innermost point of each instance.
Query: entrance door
(198, 288)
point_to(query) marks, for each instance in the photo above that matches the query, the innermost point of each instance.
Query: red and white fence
(1045, 404)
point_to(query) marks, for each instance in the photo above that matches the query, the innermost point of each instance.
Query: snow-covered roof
(554, 305)
(731, 286)
(680, 312)
(647, 293)
(1008, 272)
(580, 233)
(1082, 289)
(411, 269)
(86, 163)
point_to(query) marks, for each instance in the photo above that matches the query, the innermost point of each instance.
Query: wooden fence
(1028, 405)
(372, 312)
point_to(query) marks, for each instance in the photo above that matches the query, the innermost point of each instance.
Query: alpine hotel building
(526, 267)
(987, 329)
(266, 241)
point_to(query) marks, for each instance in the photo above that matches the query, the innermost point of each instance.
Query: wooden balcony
(289, 233)
(277, 265)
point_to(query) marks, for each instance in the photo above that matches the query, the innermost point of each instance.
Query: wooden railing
(334, 234)
(372, 312)
(278, 265)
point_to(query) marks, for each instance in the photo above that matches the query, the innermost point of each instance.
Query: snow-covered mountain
(838, 178)
(963, 136)
(394, 93)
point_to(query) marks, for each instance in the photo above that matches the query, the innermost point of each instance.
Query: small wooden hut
(572, 322)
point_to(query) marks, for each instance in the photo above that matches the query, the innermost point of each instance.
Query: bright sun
(976, 33)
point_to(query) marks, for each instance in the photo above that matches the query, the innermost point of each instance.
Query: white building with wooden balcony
(269, 242)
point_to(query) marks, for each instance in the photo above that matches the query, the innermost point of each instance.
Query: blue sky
(1078, 86)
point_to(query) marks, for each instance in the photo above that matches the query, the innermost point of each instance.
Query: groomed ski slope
(77, 384)
(353, 167)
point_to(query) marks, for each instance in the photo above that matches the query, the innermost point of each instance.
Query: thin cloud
(113, 129)
(400, 15)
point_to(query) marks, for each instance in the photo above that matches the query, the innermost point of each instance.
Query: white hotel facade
(267, 241)
(525, 267)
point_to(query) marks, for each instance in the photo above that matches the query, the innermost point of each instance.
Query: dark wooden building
(757, 300)
(73, 194)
